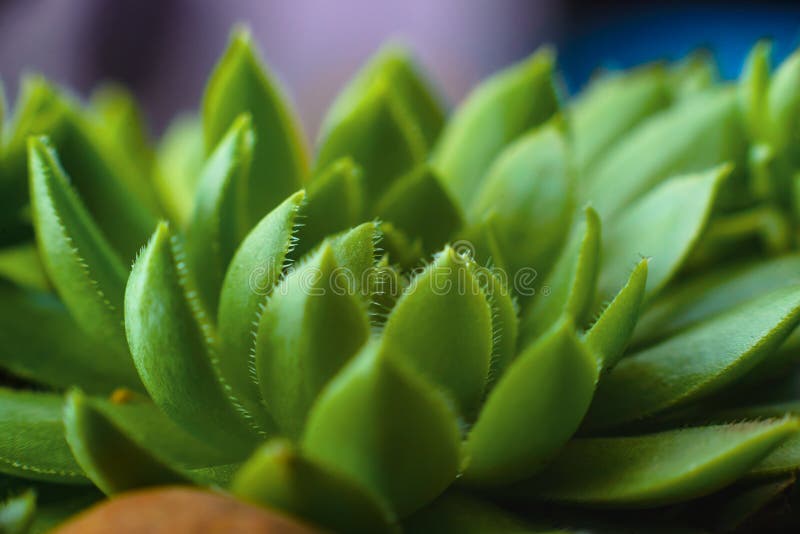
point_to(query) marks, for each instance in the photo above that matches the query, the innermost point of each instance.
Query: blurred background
(164, 49)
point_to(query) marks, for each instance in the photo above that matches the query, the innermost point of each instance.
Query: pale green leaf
(278, 477)
(394, 65)
(242, 84)
(572, 281)
(110, 458)
(445, 312)
(505, 322)
(653, 227)
(697, 362)
(695, 73)
(753, 87)
(379, 135)
(505, 106)
(252, 274)
(386, 429)
(312, 324)
(698, 133)
(527, 190)
(533, 409)
(783, 103)
(656, 469)
(418, 205)
(32, 444)
(218, 222)
(17, 513)
(179, 163)
(87, 273)
(22, 265)
(609, 335)
(161, 318)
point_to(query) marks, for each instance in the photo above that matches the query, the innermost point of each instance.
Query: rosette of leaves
(559, 309)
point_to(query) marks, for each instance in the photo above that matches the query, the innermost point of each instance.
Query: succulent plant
(531, 315)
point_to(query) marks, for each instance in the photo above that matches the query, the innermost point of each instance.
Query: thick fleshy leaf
(40, 342)
(697, 362)
(656, 469)
(380, 135)
(612, 106)
(17, 513)
(654, 227)
(22, 265)
(88, 274)
(533, 409)
(400, 248)
(698, 133)
(498, 111)
(609, 335)
(753, 87)
(572, 281)
(384, 427)
(32, 444)
(693, 74)
(528, 192)
(356, 252)
(334, 203)
(312, 324)
(394, 65)
(418, 205)
(160, 318)
(278, 477)
(445, 312)
(110, 458)
(711, 293)
(480, 241)
(254, 271)
(218, 222)
(241, 84)
(179, 163)
(505, 321)
(783, 103)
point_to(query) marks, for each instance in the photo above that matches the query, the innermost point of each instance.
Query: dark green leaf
(162, 318)
(498, 111)
(32, 441)
(254, 271)
(696, 362)
(533, 409)
(279, 477)
(386, 429)
(656, 469)
(241, 84)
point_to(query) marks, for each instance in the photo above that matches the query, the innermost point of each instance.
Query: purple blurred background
(164, 49)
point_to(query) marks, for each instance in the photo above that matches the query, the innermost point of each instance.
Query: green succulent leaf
(533, 409)
(572, 281)
(387, 429)
(505, 321)
(41, 342)
(395, 66)
(444, 312)
(88, 274)
(783, 102)
(254, 271)
(218, 222)
(278, 476)
(22, 265)
(694, 74)
(17, 513)
(312, 324)
(609, 335)
(652, 227)
(483, 244)
(179, 164)
(527, 190)
(613, 105)
(356, 251)
(656, 469)
(697, 133)
(334, 203)
(696, 362)
(414, 201)
(712, 293)
(497, 112)
(161, 318)
(110, 458)
(32, 444)
(380, 135)
(400, 248)
(753, 88)
(241, 84)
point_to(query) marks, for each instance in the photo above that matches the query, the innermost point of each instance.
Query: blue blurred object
(631, 35)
